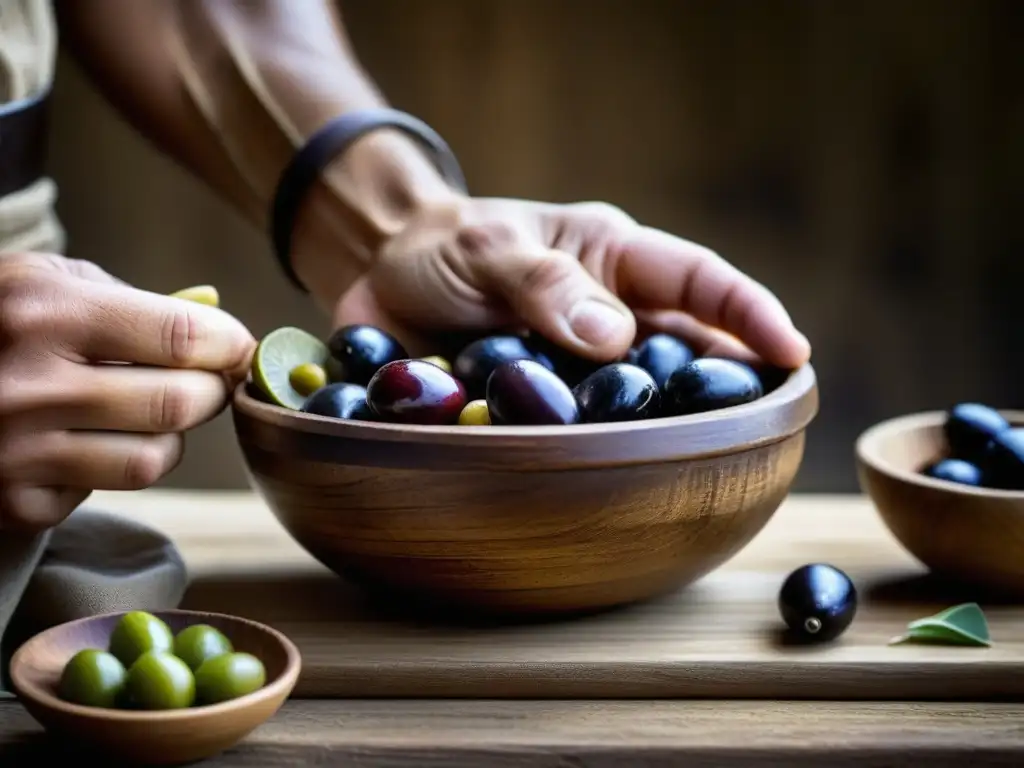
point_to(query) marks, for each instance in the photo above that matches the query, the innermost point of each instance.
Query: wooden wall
(863, 158)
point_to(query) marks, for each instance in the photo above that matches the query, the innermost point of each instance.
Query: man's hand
(97, 382)
(583, 275)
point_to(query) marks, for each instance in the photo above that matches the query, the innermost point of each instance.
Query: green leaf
(963, 624)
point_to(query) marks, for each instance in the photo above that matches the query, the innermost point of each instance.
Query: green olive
(307, 378)
(200, 294)
(440, 362)
(138, 632)
(92, 678)
(200, 642)
(227, 677)
(475, 414)
(160, 680)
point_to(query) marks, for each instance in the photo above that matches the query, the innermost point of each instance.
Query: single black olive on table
(660, 355)
(415, 392)
(571, 368)
(955, 471)
(708, 384)
(817, 602)
(617, 392)
(360, 351)
(524, 392)
(969, 428)
(1003, 463)
(339, 401)
(476, 362)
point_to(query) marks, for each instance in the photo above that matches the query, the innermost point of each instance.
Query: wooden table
(233, 533)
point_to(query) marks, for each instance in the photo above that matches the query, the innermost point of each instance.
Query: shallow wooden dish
(972, 534)
(528, 519)
(152, 738)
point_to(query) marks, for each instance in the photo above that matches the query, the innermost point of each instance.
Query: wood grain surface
(580, 734)
(521, 520)
(717, 639)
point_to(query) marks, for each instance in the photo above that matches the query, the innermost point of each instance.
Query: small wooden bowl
(152, 738)
(528, 520)
(971, 534)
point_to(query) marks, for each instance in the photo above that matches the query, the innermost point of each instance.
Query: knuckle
(145, 466)
(180, 336)
(11, 399)
(479, 241)
(23, 308)
(602, 213)
(544, 275)
(171, 407)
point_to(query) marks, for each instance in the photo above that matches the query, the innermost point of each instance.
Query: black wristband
(325, 145)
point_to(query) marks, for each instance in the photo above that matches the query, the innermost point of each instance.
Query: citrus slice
(277, 355)
(200, 294)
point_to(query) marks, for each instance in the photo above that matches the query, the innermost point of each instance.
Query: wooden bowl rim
(800, 384)
(278, 687)
(869, 444)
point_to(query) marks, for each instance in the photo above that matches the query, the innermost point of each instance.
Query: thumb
(556, 296)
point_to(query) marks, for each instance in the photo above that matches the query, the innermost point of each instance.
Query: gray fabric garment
(92, 563)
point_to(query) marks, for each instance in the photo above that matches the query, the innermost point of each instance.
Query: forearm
(231, 89)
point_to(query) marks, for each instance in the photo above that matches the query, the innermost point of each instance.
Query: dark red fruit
(415, 392)
(359, 351)
(476, 362)
(524, 392)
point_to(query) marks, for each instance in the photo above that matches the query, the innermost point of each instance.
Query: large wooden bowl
(528, 519)
(970, 534)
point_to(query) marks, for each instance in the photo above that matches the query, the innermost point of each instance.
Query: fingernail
(595, 322)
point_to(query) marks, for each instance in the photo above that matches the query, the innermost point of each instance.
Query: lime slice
(278, 353)
(200, 294)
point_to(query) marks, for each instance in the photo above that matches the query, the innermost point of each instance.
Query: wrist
(365, 196)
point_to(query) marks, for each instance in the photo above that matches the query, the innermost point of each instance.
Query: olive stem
(812, 625)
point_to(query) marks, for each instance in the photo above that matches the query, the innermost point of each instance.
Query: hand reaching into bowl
(583, 275)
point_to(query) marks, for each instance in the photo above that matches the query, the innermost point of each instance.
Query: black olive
(955, 471)
(571, 368)
(772, 376)
(969, 428)
(660, 355)
(524, 392)
(617, 392)
(476, 362)
(1003, 463)
(708, 384)
(817, 602)
(339, 401)
(361, 351)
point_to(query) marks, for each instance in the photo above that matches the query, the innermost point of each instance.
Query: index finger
(124, 324)
(656, 270)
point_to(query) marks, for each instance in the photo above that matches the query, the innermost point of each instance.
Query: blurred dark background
(863, 158)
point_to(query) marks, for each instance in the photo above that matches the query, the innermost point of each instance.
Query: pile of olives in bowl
(982, 449)
(364, 374)
(147, 667)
